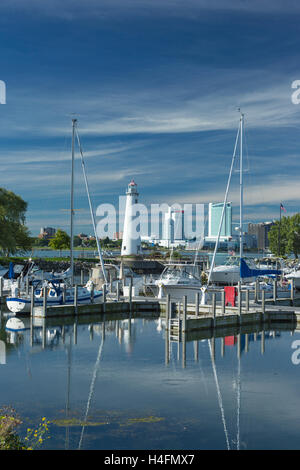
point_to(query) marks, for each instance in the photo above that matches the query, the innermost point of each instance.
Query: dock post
(64, 294)
(92, 293)
(75, 297)
(167, 349)
(45, 301)
(168, 310)
(274, 290)
(31, 314)
(197, 304)
(247, 300)
(292, 291)
(213, 302)
(27, 285)
(130, 293)
(263, 304)
(184, 313)
(81, 277)
(118, 291)
(256, 291)
(1, 286)
(32, 301)
(223, 301)
(239, 300)
(110, 283)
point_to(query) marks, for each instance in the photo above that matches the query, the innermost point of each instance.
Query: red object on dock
(230, 295)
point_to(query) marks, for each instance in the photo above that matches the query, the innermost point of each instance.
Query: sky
(156, 86)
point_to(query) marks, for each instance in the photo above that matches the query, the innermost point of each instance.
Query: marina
(149, 228)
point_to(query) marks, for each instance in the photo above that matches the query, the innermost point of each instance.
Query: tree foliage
(61, 241)
(289, 236)
(14, 235)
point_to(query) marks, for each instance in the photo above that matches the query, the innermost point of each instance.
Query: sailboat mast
(72, 202)
(241, 185)
(91, 209)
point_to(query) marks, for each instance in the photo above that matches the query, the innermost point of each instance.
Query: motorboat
(178, 280)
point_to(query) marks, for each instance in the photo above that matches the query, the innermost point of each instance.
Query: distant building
(47, 232)
(260, 231)
(118, 236)
(173, 227)
(214, 218)
(250, 241)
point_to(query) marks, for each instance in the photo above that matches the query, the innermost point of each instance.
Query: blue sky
(155, 85)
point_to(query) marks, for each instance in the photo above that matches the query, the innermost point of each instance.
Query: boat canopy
(245, 271)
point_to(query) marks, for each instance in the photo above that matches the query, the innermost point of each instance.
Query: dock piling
(184, 313)
(197, 304)
(247, 300)
(45, 301)
(75, 297)
(223, 301)
(31, 301)
(263, 304)
(118, 290)
(213, 303)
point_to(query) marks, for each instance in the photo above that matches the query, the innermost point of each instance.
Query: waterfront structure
(173, 228)
(260, 231)
(214, 217)
(131, 243)
(47, 233)
(118, 236)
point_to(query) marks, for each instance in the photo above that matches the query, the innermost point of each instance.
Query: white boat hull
(23, 304)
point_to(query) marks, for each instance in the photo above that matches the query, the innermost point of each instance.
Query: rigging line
(219, 395)
(92, 386)
(91, 208)
(224, 205)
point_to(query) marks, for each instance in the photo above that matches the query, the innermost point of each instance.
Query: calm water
(134, 390)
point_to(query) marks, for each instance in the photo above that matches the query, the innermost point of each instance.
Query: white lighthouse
(131, 244)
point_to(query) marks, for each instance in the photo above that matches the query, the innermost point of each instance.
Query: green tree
(77, 241)
(61, 241)
(289, 236)
(293, 243)
(14, 235)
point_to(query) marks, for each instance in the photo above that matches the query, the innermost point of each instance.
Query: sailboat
(242, 271)
(59, 290)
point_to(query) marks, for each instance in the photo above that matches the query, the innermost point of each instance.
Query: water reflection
(121, 378)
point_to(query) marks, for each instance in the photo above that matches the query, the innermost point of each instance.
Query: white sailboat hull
(23, 304)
